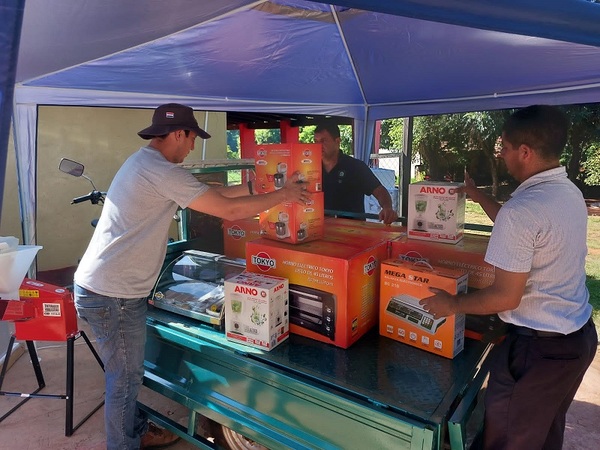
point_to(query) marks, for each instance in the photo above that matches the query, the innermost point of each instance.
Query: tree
(392, 134)
(585, 122)
(483, 130)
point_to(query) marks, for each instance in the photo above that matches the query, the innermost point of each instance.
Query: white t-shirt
(542, 230)
(129, 244)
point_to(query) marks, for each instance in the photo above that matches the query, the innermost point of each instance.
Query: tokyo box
(294, 223)
(256, 310)
(468, 254)
(235, 235)
(334, 287)
(436, 212)
(401, 317)
(275, 163)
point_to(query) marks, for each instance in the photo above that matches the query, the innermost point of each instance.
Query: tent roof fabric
(389, 59)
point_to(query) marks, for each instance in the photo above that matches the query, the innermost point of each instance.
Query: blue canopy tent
(367, 60)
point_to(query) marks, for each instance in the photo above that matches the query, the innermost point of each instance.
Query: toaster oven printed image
(407, 308)
(312, 309)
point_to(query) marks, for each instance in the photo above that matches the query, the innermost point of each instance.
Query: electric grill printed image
(312, 309)
(407, 308)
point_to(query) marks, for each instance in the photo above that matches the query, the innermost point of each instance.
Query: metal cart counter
(308, 395)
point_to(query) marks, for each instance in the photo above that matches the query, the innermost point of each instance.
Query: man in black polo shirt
(346, 180)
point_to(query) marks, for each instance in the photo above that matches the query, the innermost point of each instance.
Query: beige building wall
(101, 139)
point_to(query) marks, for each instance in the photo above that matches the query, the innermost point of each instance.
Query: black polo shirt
(347, 184)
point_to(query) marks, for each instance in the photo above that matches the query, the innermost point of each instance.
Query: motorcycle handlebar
(95, 197)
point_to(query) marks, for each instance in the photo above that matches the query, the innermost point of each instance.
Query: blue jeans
(119, 326)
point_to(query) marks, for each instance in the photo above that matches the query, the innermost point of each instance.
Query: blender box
(256, 310)
(274, 163)
(293, 222)
(334, 288)
(468, 254)
(236, 233)
(436, 212)
(403, 285)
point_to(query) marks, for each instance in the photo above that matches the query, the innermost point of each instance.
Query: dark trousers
(533, 380)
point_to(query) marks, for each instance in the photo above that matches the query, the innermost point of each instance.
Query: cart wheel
(232, 440)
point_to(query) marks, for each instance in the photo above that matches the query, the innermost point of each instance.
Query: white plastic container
(13, 267)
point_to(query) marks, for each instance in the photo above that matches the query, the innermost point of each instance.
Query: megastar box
(436, 211)
(256, 310)
(334, 288)
(294, 223)
(468, 254)
(275, 163)
(403, 285)
(236, 233)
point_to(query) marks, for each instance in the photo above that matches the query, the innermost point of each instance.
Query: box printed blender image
(256, 310)
(275, 163)
(436, 212)
(402, 318)
(294, 223)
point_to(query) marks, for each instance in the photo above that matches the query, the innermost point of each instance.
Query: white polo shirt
(542, 230)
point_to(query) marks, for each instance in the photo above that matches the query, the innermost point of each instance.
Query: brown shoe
(156, 438)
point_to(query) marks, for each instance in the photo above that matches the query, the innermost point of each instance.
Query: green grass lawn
(474, 214)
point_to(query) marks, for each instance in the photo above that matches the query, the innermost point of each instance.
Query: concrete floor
(40, 422)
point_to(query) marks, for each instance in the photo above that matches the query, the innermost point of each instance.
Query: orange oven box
(275, 163)
(235, 235)
(294, 223)
(334, 289)
(335, 226)
(403, 285)
(468, 254)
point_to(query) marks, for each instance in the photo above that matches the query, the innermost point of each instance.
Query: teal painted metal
(283, 399)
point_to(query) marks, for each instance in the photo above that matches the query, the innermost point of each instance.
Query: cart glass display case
(192, 285)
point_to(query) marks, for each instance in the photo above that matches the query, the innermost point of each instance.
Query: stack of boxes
(345, 276)
(289, 221)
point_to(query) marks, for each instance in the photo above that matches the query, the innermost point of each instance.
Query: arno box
(403, 285)
(334, 287)
(256, 310)
(468, 254)
(236, 233)
(436, 212)
(275, 163)
(294, 223)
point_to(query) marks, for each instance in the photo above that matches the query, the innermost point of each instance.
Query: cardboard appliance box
(334, 288)
(294, 223)
(274, 163)
(236, 233)
(403, 285)
(436, 212)
(256, 310)
(358, 229)
(468, 254)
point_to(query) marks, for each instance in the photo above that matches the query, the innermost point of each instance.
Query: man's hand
(388, 215)
(469, 188)
(294, 190)
(441, 304)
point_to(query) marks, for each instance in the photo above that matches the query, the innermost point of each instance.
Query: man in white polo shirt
(538, 248)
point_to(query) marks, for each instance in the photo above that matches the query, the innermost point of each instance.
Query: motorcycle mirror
(71, 167)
